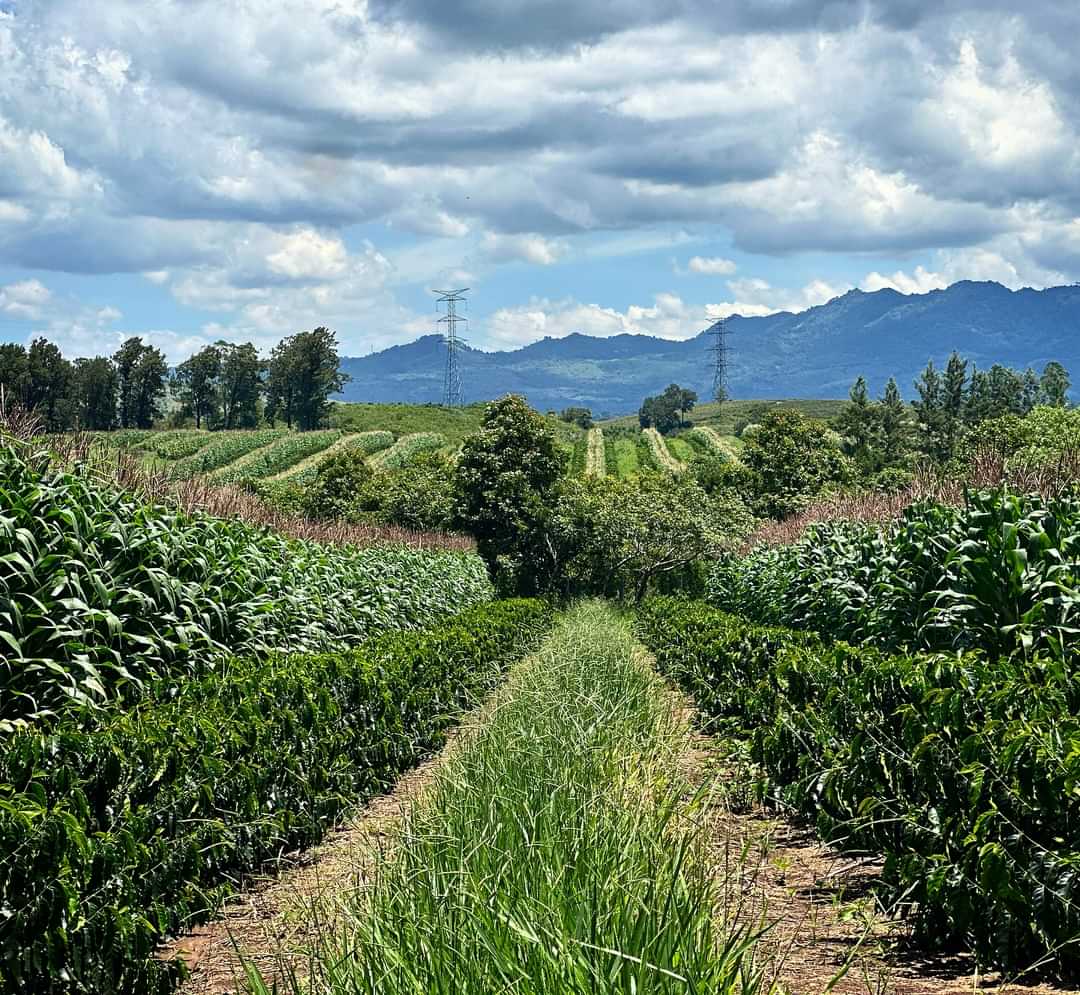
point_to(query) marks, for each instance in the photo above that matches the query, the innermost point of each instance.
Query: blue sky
(244, 169)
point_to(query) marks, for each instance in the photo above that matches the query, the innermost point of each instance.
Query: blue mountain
(815, 353)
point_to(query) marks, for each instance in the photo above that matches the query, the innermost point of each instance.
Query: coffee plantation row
(124, 828)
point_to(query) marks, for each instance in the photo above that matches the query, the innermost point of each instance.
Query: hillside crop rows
(596, 453)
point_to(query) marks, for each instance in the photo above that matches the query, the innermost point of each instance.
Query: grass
(408, 419)
(626, 458)
(723, 417)
(553, 853)
(680, 449)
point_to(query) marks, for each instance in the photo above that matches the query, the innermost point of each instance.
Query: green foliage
(365, 443)
(419, 495)
(279, 455)
(582, 417)
(792, 459)
(666, 412)
(100, 593)
(506, 481)
(302, 374)
(1000, 574)
(407, 448)
(121, 834)
(226, 448)
(960, 770)
(141, 371)
(408, 419)
(339, 481)
(617, 536)
(536, 865)
(176, 445)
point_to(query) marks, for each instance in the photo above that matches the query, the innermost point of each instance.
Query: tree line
(880, 435)
(225, 385)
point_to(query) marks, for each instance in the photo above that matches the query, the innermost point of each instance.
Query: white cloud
(921, 281)
(24, 299)
(668, 317)
(528, 248)
(711, 266)
(307, 255)
(754, 297)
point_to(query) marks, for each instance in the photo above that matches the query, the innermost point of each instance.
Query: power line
(452, 392)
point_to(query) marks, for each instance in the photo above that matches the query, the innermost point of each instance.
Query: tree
(95, 387)
(582, 417)
(895, 433)
(859, 423)
(930, 414)
(195, 383)
(1054, 386)
(240, 384)
(141, 371)
(665, 411)
(792, 458)
(339, 482)
(15, 374)
(506, 481)
(303, 373)
(49, 390)
(953, 399)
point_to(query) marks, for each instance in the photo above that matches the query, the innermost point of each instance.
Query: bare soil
(824, 930)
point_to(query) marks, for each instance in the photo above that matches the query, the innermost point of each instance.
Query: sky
(190, 171)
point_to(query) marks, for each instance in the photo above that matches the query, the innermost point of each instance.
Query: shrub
(962, 771)
(338, 484)
(119, 836)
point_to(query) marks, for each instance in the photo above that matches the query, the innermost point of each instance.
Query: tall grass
(553, 854)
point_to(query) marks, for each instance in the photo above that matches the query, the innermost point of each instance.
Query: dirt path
(274, 921)
(821, 915)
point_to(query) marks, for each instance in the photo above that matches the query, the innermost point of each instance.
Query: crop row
(114, 838)
(408, 446)
(596, 453)
(278, 456)
(225, 449)
(367, 443)
(1001, 573)
(100, 593)
(962, 771)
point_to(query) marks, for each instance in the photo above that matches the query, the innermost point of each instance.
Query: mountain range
(815, 353)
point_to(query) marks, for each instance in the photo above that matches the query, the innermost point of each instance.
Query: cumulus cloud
(24, 299)
(225, 154)
(528, 248)
(667, 317)
(711, 266)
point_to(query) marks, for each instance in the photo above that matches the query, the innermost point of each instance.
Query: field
(833, 762)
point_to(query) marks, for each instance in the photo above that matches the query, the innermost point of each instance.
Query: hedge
(964, 772)
(115, 838)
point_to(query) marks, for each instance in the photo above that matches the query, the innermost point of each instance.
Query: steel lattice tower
(720, 351)
(452, 394)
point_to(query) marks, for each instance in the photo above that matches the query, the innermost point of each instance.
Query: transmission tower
(452, 395)
(720, 352)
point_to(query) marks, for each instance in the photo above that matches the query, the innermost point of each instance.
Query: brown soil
(273, 923)
(824, 930)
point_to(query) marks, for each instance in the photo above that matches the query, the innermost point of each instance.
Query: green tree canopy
(506, 483)
(95, 388)
(141, 371)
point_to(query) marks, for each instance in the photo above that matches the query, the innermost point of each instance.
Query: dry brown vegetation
(128, 472)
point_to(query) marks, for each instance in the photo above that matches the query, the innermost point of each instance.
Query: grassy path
(553, 852)
(596, 453)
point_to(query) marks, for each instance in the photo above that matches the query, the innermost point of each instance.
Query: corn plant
(408, 446)
(225, 449)
(100, 592)
(278, 456)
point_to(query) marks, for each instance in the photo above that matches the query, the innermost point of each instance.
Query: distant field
(409, 419)
(723, 417)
